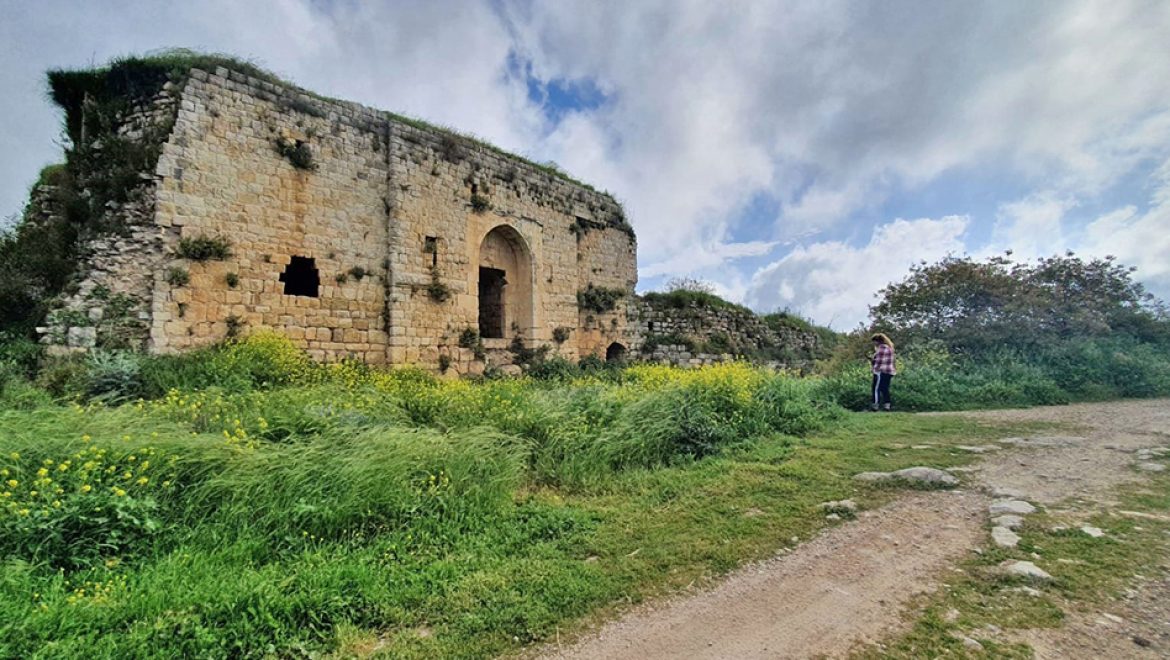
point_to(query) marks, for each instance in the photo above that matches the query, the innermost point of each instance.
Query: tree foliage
(976, 306)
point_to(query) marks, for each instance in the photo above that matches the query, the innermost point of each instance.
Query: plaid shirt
(883, 360)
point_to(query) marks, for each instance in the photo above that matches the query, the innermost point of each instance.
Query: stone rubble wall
(108, 304)
(715, 335)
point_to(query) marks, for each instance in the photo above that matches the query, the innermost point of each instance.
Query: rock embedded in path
(922, 476)
(1016, 507)
(1024, 569)
(1004, 537)
(1007, 493)
(1008, 521)
(1150, 466)
(1095, 532)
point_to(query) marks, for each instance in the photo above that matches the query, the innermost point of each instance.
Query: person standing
(883, 371)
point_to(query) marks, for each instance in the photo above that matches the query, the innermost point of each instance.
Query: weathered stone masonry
(414, 237)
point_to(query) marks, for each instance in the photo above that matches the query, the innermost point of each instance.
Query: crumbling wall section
(697, 335)
(107, 305)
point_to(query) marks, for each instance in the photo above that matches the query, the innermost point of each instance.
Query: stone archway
(504, 284)
(616, 352)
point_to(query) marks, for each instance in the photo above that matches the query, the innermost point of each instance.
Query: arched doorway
(615, 353)
(504, 284)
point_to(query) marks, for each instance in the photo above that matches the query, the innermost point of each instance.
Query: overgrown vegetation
(977, 334)
(599, 299)
(204, 248)
(480, 203)
(686, 293)
(176, 276)
(298, 153)
(345, 504)
(437, 290)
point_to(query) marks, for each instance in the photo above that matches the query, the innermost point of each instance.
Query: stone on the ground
(1095, 532)
(1007, 493)
(833, 517)
(926, 475)
(1150, 466)
(1004, 537)
(968, 643)
(1017, 507)
(923, 476)
(1024, 569)
(839, 506)
(1009, 521)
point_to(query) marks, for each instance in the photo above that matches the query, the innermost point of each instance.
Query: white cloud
(823, 108)
(1031, 227)
(834, 283)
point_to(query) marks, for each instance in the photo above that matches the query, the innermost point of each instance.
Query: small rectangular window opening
(300, 278)
(431, 247)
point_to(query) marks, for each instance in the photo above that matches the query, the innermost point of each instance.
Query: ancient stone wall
(358, 233)
(456, 205)
(227, 173)
(108, 306)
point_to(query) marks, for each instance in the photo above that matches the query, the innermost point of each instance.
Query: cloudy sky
(798, 155)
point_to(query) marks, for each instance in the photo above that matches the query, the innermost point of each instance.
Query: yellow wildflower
(85, 488)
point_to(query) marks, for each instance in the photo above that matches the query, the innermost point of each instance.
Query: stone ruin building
(240, 202)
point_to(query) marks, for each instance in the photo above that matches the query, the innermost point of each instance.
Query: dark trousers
(881, 389)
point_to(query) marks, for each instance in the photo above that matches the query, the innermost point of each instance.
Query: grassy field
(300, 509)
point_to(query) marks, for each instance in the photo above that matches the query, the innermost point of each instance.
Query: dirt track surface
(850, 585)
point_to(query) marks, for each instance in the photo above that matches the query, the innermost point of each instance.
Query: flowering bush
(75, 510)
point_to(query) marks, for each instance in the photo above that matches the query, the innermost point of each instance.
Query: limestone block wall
(223, 175)
(448, 197)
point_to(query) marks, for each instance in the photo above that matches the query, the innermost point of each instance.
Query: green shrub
(177, 276)
(298, 153)
(205, 248)
(480, 203)
(114, 375)
(599, 299)
(555, 368)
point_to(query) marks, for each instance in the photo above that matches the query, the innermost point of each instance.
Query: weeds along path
(850, 586)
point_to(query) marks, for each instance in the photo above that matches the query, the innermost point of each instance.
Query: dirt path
(849, 585)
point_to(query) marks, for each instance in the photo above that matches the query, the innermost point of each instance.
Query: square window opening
(300, 278)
